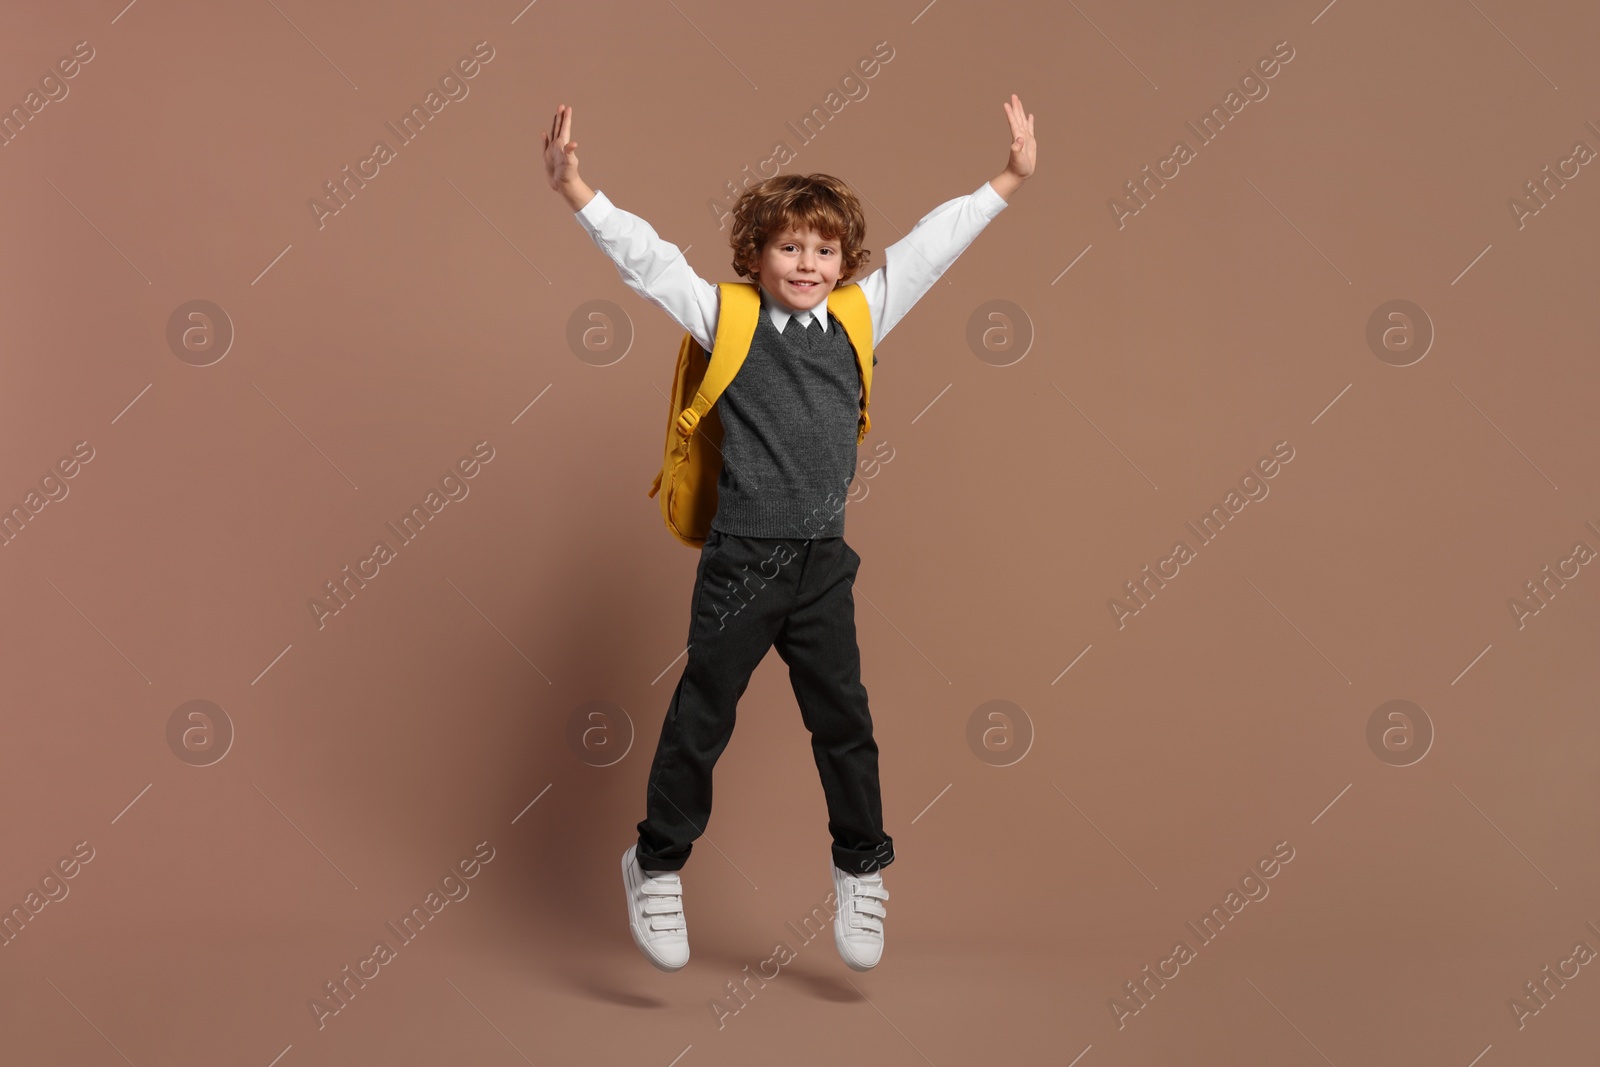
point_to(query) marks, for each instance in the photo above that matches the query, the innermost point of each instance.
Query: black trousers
(752, 594)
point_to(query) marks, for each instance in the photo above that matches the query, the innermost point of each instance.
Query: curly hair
(817, 202)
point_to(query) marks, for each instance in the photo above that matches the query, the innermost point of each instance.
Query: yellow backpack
(687, 481)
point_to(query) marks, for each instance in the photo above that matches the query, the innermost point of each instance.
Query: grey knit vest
(789, 420)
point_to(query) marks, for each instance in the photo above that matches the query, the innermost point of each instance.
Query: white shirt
(657, 271)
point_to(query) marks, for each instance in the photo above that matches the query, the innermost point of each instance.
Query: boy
(789, 446)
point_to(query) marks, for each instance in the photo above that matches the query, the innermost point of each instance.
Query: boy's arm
(653, 268)
(913, 263)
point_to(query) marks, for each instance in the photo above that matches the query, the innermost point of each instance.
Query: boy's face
(799, 268)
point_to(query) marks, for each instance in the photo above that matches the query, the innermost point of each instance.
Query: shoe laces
(864, 908)
(663, 901)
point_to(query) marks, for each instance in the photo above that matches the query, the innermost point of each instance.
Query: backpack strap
(740, 308)
(849, 303)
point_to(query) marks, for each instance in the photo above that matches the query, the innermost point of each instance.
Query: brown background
(371, 354)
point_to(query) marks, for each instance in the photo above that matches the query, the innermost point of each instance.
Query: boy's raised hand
(560, 152)
(1022, 144)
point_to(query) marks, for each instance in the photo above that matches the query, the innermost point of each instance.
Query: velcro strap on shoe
(867, 912)
(867, 923)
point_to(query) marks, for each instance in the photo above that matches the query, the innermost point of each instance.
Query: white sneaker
(655, 913)
(858, 920)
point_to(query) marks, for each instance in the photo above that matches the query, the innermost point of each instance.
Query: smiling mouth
(803, 285)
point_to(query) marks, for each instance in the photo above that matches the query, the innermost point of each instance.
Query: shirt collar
(781, 315)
